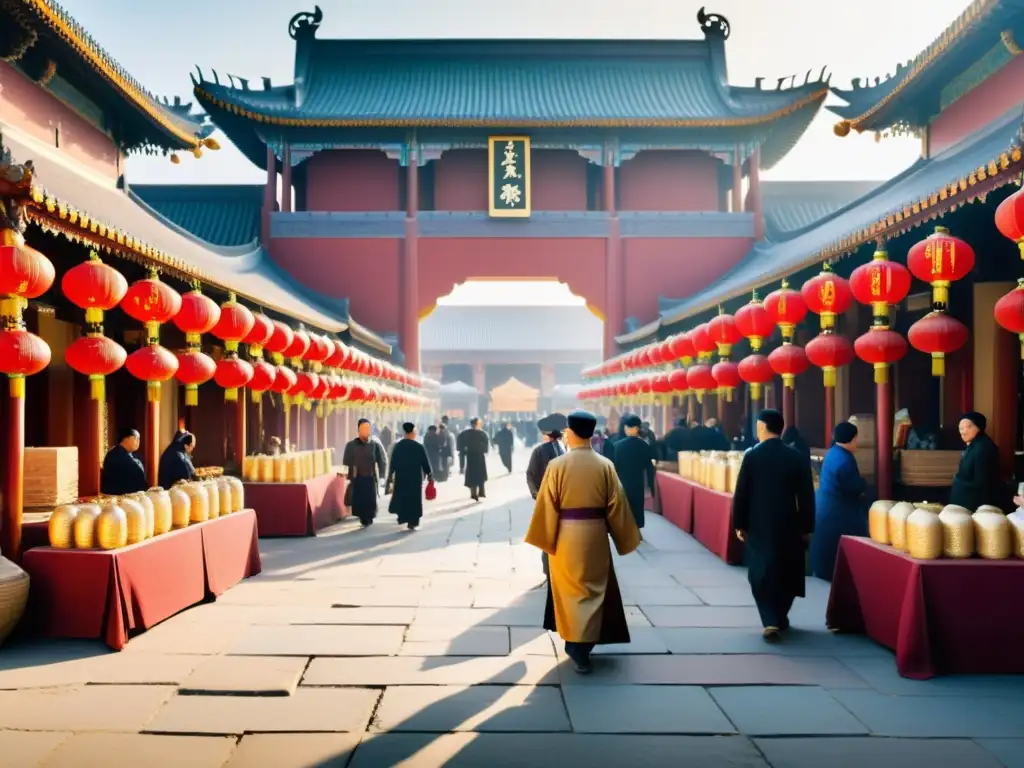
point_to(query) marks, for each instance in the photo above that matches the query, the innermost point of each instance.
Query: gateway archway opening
(509, 348)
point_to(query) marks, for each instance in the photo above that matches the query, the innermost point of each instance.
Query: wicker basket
(928, 469)
(13, 596)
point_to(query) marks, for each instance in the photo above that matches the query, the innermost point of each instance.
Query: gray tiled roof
(498, 328)
(790, 206)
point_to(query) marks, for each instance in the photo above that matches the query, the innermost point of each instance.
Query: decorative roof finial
(713, 24)
(304, 25)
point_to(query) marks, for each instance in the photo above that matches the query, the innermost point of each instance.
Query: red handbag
(431, 492)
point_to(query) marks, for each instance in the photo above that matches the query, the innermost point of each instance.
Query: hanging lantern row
(1009, 310)
(24, 274)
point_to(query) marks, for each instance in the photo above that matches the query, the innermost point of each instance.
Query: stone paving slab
(643, 640)
(28, 748)
(142, 668)
(827, 672)
(82, 708)
(531, 641)
(247, 675)
(446, 709)
(545, 750)
(132, 750)
(446, 598)
(883, 677)
(353, 598)
(294, 750)
(313, 640)
(378, 616)
(644, 709)
(702, 616)
(309, 710)
(935, 716)
(688, 670)
(430, 640)
(743, 640)
(1010, 752)
(868, 751)
(471, 617)
(660, 595)
(786, 710)
(739, 596)
(186, 638)
(406, 670)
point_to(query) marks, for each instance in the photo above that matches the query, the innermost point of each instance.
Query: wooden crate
(51, 476)
(930, 469)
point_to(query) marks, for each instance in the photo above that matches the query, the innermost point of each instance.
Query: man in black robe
(476, 446)
(386, 437)
(366, 462)
(505, 440)
(677, 439)
(446, 448)
(634, 465)
(552, 428)
(122, 473)
(773, 514)
(432, 445)
(976, 481)
(409, 465)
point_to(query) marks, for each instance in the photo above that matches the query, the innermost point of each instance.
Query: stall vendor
(176, 461)
(122, 473)
(976, 481)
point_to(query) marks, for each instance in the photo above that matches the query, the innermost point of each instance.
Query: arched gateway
(615, 166)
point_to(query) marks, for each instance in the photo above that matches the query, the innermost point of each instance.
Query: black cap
(555, 422)
(632, 421)
(582, 423)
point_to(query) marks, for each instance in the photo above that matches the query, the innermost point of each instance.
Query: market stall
(295, 494)
(675, 500)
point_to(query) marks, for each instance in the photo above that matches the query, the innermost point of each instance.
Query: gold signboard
(508, 176)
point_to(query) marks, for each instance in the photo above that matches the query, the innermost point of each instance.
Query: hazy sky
(160, 43)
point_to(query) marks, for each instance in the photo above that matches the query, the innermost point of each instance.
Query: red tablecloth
(712, 523)
(939, 616)
(35, 534)
(297, 509)
(675, 500)
(93, 593)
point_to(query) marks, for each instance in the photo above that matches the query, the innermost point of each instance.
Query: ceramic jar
(199, 502)
(249, 464)
(878, 521)
(150, 510)
(181, 507)
(61, 526)
(136, 525)
(898, 524)
(992, 535)
(924, 535)
(957, 532)
(112, 525)
(224, 496)
(84, 528)
(213, 499)
(163, 513)
(1016, 521)
(237, 493)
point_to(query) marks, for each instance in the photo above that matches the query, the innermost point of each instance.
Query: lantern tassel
(319, 410)
(1021, 337)
(153, 391)
(97, 388)
(17, 386)
(231, 395)
(881, 373)
(938, 364)
(728, 395)
(755, 391)
(788, 380)
(191, 395)
(255, 397)
(829, 375)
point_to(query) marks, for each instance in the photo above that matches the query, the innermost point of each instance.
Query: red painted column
(14, 477)
(269, 195)
(151, 440)
(789, 405)
(91, 454)
(614, 277)
(883, 425)
(830, 414)
(737, 181)
(754, 195)
(410, 308)
(286, 179)
(240, 429)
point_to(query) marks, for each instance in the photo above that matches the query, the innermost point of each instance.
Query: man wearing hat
(579, 503)
(551, 427)
(634, 464)
(976, 481)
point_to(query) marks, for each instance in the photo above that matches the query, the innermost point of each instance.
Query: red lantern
(338, 355)
(152, 303)
(667, 358)
(754, 322)
(789, 361)
(21, 354)
(880, 283)
(826, 294)
(938, 334)
(786, 308)
(24, 271)
(279, 341)
(939, 260)
(703, 344)
(829, 352)
(95, 356)
(235, 323)
(677, 381)
(198, 314)
(232, 374)
(654, 354)
(257, 338)
(1009, 311)
(880, 347)
(298, 347)
(1010, 219)
(284, 379)
(194, 368)
(305, 382)
(263, 374)
(700, 379)
(154, 365)
(682, 348)
(319, 348)
(724, 333)
(319, 392)
(727, 377)
(756, 371)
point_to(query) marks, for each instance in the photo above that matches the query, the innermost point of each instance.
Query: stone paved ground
(380, 647)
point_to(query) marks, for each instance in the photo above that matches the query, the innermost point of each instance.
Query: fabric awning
(514, 397)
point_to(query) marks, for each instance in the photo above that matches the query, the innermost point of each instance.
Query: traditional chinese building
(628, 169)
(963, 96)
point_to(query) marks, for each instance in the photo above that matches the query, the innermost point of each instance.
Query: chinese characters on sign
(509, 176)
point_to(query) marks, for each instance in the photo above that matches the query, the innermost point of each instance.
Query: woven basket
(13, 596)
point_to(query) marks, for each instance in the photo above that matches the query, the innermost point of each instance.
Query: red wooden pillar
(286, 178)
(754, 194)
(830, 414)
(789, 405)
(614, 275)
(14, 477)
(91, 453)
(883, 425)
(410, 308)
(269, 195)
(737, 181)
(151, 438)
(240, 430)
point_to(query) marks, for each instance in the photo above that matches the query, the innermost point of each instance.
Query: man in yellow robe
(579, 504)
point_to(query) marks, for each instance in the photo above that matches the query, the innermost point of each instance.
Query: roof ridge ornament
(713, 24)
(304, 25)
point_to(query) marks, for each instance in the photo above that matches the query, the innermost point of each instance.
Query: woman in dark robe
(839, 505)
(505, 440)
(793, 439)
(176, 460)
(409, 465)
(976, 481)
(476, 446)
